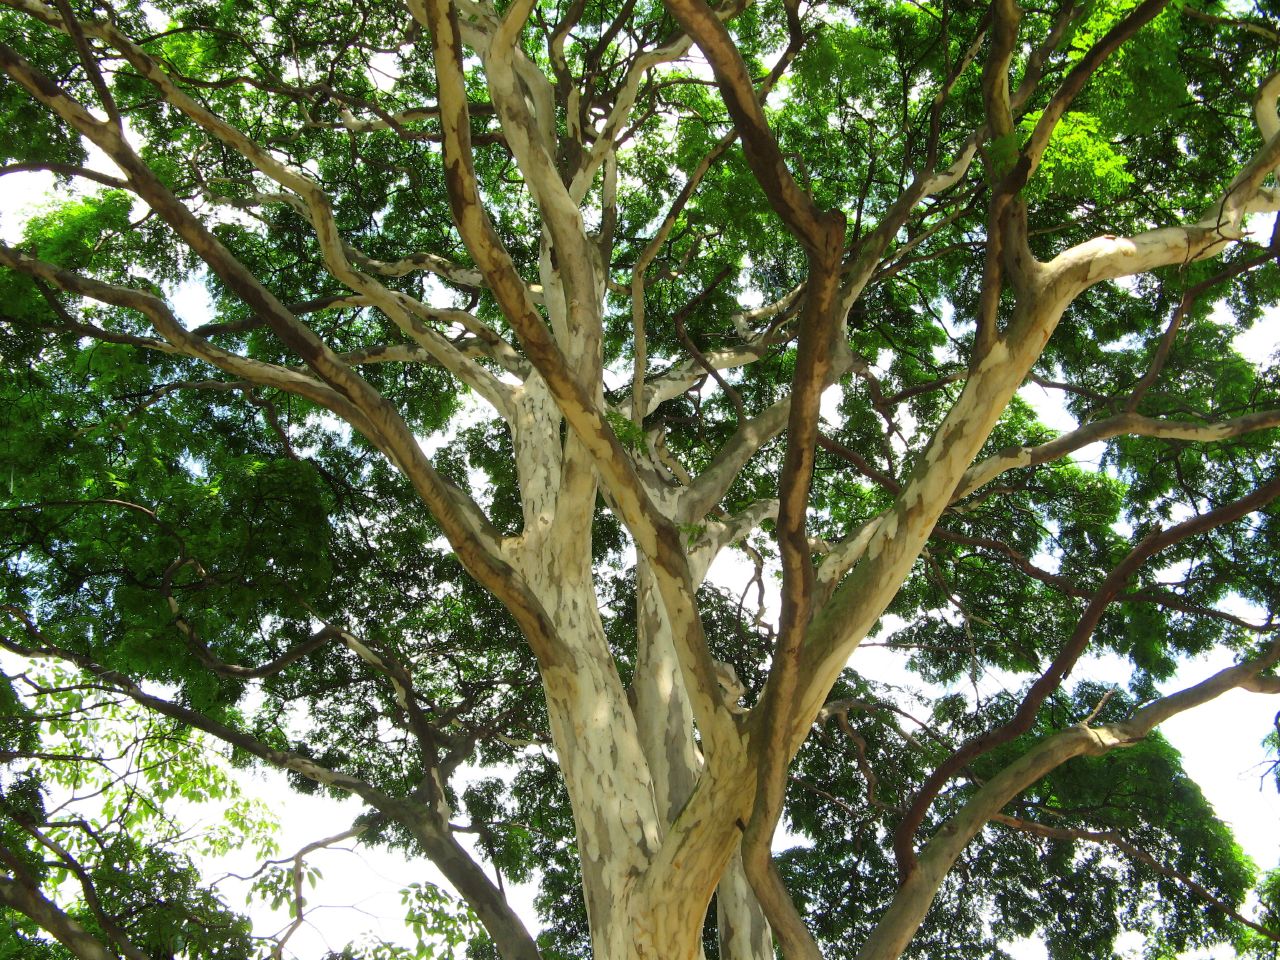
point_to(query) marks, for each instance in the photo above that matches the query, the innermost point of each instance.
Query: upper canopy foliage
(507, 329)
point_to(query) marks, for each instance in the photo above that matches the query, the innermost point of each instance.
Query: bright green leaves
(88, 737)
(1003, 154)
(113, 485)
(1145, 76)
(1079, 160)
(72, 233)
(191, 54)
(841, 55)
(115, 779)
(30, 134)
(110, 367)
(274, 886)
(443, 926)
(836, 110)
(629, 435)
(440, 922)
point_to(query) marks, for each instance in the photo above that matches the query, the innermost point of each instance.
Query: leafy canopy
(353, 520)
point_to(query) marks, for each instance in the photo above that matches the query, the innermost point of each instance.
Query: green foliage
(629, 435)
(96, 782)
(441, 923)
(1080, 160)
(165, 517)
(72, 233)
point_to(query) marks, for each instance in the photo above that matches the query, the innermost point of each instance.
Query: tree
(108, 835)
(523, 314)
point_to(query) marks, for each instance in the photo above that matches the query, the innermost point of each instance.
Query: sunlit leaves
(96, 804)
(72, 233)
(1080, 160)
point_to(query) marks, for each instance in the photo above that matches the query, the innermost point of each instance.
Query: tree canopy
(524, 314)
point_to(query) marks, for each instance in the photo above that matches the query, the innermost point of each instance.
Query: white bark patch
(664, 716)
(888, 529)
(997, 356)
(744, 932)
(367, 655)
(539, 459)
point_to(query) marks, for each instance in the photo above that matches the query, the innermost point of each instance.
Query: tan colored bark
(659, 825)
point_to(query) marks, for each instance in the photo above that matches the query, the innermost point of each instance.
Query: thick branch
(1051, 679)
(899, 923)
(30, 902)
(66, 170)
(656, 536)
(792, 204)
(1122, 424)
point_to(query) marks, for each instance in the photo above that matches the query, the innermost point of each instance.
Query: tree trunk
(740, 924)
(665, 719)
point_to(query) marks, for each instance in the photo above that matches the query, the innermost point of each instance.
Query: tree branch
(1051, 679)
(65, 170)
(1116, 839)
(655, 535)
(1122, 424)
(347, 393)
(30, 902)
(899, 923)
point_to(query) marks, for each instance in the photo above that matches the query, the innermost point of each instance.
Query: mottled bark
(666, 728)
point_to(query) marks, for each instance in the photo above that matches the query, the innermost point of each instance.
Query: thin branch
(1052, 677)
(1114, 838)
(296, 877)
(40, 646)
(89, 889)
(1189, 298)
(65, 170)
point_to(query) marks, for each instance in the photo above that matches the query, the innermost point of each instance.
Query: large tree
(522, 315)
